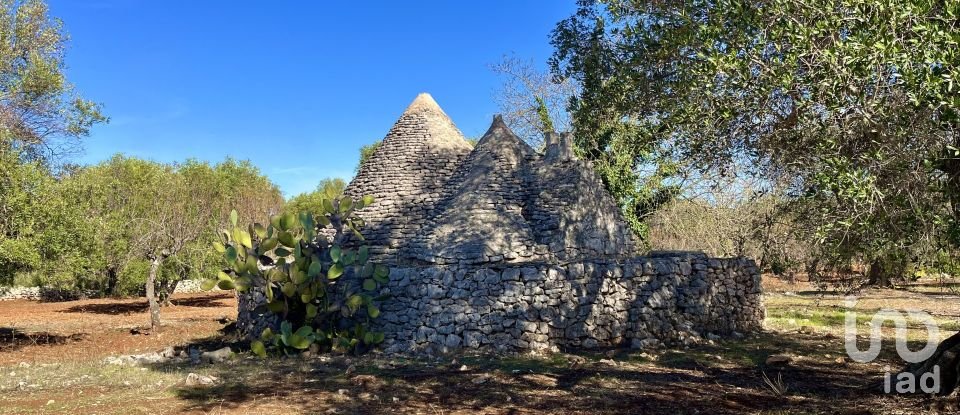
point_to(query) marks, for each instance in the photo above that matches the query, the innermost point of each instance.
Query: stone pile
(171, 355)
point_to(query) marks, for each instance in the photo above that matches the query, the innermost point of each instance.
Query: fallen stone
(649, 343)
(194, 379)
(216, 356)
(779, 360)
(168, 353)
(608, 362)
(484, 378)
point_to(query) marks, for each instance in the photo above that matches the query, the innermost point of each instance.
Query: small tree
(531, 100)
(179, 216)
(40, 116)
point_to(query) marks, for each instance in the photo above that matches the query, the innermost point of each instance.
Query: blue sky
(295, 87)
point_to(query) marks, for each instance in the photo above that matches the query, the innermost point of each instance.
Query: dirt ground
(52, 361)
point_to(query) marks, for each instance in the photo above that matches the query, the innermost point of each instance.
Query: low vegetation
(725, 376)
(324, 293)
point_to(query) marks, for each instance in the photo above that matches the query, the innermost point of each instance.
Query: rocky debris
(481, 379)
(367, 381)
(216, 356)
(644, 344)
(135, 359)
(779, 360)
(576, 362)
(194, 379)
(541, 380)
(170, 355)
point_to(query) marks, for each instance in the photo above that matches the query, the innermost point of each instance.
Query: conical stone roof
(481, 217)
(407, 175)
(507, 203)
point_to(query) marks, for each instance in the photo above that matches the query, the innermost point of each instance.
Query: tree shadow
(508, 386)
(12, 339)
(117, 307)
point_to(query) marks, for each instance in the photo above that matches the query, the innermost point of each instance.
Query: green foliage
(326, 293)
(546, 123)
(327, 189)
(366, 152)
(21, 186)
(39, 112)
(622, 137)
(39, 227)
(110, 207)
(851, 104)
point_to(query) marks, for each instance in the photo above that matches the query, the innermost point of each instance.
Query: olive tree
(853, 104)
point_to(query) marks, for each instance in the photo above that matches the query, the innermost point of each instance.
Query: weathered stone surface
(605, 305)
(407, 174)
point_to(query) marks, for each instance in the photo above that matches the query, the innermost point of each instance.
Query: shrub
(324, 292)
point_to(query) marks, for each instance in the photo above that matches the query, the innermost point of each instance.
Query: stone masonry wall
(640, 302)
(38, 293)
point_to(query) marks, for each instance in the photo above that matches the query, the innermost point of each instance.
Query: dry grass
(729, 376)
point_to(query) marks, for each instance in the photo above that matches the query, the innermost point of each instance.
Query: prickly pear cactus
(325, 294)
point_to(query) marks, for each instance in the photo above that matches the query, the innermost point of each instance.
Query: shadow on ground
(725, 378)
(12, 339)
(116, 307)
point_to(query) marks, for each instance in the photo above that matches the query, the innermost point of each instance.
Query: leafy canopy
(851, 104)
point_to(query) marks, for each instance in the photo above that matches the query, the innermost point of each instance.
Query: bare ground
(51, 358)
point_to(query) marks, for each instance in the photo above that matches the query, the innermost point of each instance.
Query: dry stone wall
(43, 294)
(640, 302)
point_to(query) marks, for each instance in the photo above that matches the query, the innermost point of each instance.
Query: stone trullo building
(498, 245)
(442, 201)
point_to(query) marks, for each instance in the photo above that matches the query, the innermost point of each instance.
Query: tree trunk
(166, 292)
(947, 357)
(151, 287)
(112, 281)
(879, 277)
